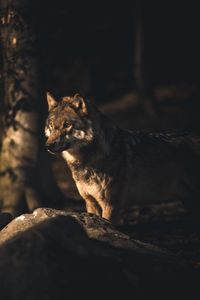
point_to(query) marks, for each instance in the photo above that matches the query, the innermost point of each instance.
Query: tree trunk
(20, 141)
(20, 170)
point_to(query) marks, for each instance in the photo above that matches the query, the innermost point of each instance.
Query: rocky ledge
(53, 254)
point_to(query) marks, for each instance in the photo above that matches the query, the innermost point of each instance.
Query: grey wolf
(114, 168)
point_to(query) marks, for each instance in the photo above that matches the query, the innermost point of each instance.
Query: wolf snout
(51, 147)
(56, 146)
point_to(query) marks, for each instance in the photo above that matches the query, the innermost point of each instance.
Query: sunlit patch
(68, 157)
(47, 132)
(14, 41)
(35, 213)
(20, 218)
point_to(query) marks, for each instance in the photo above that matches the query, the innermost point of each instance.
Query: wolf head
(68, 125)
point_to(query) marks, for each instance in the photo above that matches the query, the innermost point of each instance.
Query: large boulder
(51, 254)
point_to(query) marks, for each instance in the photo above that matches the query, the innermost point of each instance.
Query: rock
(94, 226)
(51, 254)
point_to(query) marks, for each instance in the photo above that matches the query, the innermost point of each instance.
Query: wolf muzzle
(51, 147)
(57, 146)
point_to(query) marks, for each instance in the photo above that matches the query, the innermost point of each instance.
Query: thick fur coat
(114, 168)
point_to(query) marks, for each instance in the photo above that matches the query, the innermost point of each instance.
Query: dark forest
(99, 150)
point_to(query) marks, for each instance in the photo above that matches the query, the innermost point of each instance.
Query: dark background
(89, 46)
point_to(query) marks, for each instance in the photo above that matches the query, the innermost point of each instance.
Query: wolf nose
(50, 146)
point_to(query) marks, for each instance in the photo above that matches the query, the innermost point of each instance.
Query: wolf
(114, 168)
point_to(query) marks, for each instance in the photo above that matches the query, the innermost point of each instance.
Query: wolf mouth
(54, 153)
(56, 148)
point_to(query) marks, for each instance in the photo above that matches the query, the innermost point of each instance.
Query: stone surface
(94, 226)
(51, 254)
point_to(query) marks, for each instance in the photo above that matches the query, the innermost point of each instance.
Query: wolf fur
(114, 168)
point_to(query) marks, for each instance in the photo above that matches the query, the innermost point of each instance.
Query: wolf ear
(51, 101)
(80, 103)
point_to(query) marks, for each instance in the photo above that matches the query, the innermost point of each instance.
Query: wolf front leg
(110, 203)
(92, 206)
(111, 213)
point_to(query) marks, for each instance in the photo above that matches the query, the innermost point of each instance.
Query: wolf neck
(97, 150)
